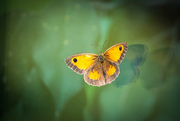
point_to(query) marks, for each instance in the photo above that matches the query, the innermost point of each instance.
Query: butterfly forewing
(116, 53)
(81, 62)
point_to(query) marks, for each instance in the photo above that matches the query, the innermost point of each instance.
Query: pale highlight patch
(10, 54)
(66, 18)
(45, 25)
(66, 42)
(77, 6)
(55, 28)
(94, 28)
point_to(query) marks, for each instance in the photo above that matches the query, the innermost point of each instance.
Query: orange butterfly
(99, 69)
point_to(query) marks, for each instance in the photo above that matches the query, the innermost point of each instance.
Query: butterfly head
(101, 58)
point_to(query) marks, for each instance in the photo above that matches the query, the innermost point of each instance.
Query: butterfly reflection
(129, 70)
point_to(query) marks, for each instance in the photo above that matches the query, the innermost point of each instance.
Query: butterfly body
(101, 58)
(99, 69)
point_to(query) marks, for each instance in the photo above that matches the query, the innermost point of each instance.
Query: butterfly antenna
(104, 45)
(95, 46)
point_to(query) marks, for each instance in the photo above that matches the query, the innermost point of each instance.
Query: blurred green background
(37, 35)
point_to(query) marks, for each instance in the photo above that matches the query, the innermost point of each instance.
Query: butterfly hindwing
(111, 71)
(94, 76)
(101, 74)
(81, 62)
(116, 53)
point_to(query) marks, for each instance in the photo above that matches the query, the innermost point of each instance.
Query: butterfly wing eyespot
(120, 48)
(74, 60)
(81, 62)
(116, 53)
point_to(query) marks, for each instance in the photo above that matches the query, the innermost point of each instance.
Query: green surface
(37, 36)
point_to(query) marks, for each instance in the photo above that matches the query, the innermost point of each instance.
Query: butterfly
(99, 69)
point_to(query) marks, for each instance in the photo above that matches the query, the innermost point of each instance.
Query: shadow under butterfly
(129, 70)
